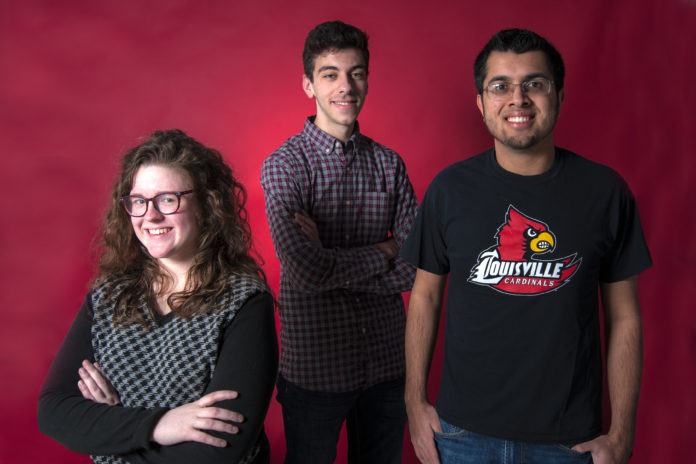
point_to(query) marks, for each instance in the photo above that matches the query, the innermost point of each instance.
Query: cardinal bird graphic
(511, 266)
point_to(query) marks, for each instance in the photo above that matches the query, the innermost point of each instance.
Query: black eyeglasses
(165, 203)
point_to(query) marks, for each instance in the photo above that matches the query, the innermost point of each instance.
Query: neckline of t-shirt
(549, 174)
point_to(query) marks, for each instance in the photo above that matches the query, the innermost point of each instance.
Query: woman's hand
(187, 422)
(94, 385)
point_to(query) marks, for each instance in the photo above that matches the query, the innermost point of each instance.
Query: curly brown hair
(224, 245)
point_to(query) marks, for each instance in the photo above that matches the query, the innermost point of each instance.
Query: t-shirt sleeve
(426, 247)
(629, 254)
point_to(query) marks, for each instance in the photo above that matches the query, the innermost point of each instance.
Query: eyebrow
(526, 78)
(159, 192)
(335, 68)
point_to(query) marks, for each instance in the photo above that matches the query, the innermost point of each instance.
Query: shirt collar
(324, 142)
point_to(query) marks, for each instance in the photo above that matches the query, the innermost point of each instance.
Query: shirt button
(347, 202)
(327, 151)
(347, 237)
(338, 144)
(348, 169)
(364, 330)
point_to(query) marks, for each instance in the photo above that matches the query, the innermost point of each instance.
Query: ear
(307, 86)
(561, 97)
(479, 103)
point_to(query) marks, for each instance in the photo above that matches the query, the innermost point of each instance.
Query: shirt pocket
(377, 214)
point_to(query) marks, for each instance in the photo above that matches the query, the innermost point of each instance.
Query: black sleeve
(248, 364)
(426, 244)
(628, 254)
(80, 424)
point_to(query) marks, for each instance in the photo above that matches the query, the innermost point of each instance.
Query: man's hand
(605, 450)
(94, 385)
(422, 421)
(309, 227)
(389, 248)
(187, 422)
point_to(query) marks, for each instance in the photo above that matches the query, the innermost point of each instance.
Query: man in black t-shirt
(528, 234)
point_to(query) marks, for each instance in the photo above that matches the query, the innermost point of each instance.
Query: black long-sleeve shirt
(247, 363)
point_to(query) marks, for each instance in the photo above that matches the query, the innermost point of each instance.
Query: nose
(345, 83)
(519, 96)
(152, 214)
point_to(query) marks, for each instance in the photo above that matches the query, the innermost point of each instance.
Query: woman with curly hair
(173, 355)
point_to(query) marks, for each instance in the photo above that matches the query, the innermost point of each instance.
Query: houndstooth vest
(172, 363)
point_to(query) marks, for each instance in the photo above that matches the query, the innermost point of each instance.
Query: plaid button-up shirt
(342, 315)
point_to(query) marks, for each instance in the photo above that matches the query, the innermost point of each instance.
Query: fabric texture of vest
(171, 364)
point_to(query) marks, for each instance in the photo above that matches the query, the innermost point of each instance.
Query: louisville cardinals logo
(510, 266)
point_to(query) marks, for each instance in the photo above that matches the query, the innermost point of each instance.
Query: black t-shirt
(525, 256)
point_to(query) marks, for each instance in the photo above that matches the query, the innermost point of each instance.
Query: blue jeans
(375, 420)
(458, 446)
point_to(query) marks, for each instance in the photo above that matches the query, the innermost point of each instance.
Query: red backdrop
(80, 81)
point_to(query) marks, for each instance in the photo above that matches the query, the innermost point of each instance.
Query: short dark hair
(332, 35)
(519, 41)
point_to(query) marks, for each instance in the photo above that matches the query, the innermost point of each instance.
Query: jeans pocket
(568, 449)
(450, 431)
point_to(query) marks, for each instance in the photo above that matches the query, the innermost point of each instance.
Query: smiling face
(519, 122)
(172, 239)
(339, 87)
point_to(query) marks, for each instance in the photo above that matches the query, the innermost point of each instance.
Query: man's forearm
(421, 332)
(398, 279)
(624, 360)
(311, 268)
(624, 367)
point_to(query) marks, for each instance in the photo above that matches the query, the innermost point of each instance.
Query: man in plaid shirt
(339, 206)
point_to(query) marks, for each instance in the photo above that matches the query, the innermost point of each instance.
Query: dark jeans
(459, 446)
(375, 419)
